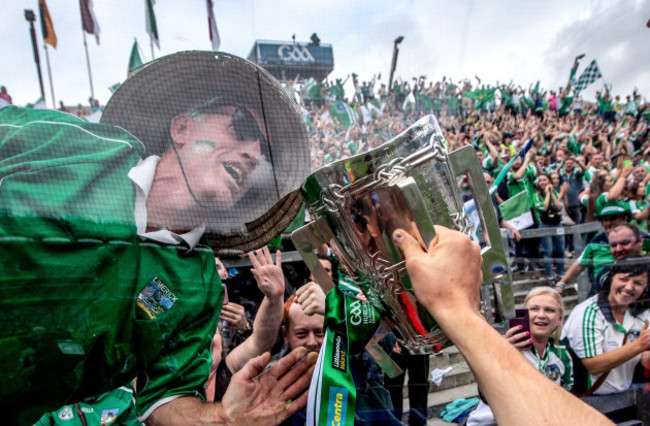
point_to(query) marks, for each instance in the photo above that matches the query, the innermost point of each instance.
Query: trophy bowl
(409, 182)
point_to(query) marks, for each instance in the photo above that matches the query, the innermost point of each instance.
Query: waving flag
(313, 89)
(588, 76)
(344, 114)
(516, 211)
(152, 28)
(135, 60)
(574, 68)
(212, 26)
(47, 27)
(88, 20)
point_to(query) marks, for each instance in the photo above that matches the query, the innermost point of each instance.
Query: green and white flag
(409, 102)
(516, 211)
(152, 28)
(376, 107)
(588, 76)
(114, 87)
(343, 113)
(313, 89)
(135, 60)
(39, 104)
(350, 323)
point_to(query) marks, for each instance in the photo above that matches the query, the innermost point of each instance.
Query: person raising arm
(516, 393)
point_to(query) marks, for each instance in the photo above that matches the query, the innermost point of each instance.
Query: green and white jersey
(87, 302)
(538, 204)
(596, 255)
(114, 407)
(603, 202)
(636, 207)
(515, 186)
(631, 108)
(590, 334)
(493, 167)
(589, 174)
(556, 364)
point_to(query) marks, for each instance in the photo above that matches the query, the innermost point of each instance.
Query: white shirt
(142, 176)
(590, 334)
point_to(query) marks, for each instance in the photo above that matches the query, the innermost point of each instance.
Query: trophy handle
(307, 239)
(495, 265)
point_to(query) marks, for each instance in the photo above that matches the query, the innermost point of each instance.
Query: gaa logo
(355, 312)
(295, 53)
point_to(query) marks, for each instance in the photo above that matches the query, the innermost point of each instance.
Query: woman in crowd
(638, 205)
(540, 346)
(602, 182)
(609, 331)
(548, 213)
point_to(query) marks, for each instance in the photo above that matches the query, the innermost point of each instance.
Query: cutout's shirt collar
(142, 176)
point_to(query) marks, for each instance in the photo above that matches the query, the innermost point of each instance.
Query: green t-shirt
(526, 182)
(452, 102)
(639, 206)
(538, 204)
(114, 407)
(86, 304)
(597, 256)
(602, 202)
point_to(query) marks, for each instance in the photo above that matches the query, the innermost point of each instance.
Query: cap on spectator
(612, 210)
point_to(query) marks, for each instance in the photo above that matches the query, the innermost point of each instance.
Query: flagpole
(31, 17)
(49, 74)
(90, 76)
(151, 44)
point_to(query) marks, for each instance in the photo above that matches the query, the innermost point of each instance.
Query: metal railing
(577, 231)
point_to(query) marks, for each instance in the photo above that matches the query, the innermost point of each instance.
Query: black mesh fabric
(203, 82)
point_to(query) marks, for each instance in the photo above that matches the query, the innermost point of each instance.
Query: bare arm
(612, 359)
(255, 396)
(492, 152)
(515, 233)
(516, 392)
(619, 186)
(555, 200)
(520, 172)
(571, 273)
(270, 280)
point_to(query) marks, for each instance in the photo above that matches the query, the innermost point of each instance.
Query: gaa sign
(306, 59)
(295, 53)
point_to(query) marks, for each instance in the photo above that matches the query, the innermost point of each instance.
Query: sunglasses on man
(242, 121)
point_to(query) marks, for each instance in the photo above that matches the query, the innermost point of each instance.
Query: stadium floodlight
(398, 40)
(30, 17)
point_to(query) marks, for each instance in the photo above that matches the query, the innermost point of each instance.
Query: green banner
(350, 323)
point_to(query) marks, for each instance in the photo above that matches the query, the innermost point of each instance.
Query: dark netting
(258, 149)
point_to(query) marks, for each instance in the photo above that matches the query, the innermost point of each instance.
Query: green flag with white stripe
(343, 113)
(516, 211)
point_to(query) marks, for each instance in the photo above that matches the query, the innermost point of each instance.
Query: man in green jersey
(106, 270)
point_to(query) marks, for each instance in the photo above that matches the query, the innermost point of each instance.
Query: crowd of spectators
(576, 158)
(574, 142)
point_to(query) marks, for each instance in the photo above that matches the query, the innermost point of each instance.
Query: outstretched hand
(263, 397)
(269, 276)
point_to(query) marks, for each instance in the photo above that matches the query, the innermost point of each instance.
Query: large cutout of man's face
(221, 162)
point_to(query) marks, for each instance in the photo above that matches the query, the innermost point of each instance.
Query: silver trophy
(409, 182)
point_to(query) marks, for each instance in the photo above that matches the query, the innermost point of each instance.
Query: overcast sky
(517, 40)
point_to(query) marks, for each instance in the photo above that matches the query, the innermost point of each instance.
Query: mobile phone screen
(521, 318)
